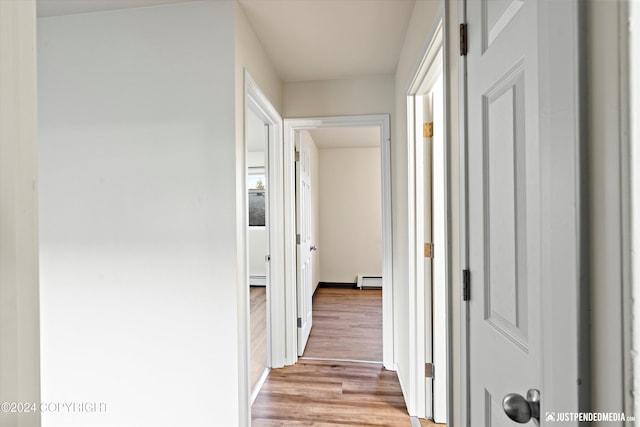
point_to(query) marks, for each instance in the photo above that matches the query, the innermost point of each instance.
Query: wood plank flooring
(258, 325)
(347, 324)
(324, 393)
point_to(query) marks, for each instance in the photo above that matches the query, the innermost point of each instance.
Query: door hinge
(466, 285)
(299, 322)
(428, 250)
(429, 370)
(297, 239)
(463, 39)
(428, 130)
(297, 156)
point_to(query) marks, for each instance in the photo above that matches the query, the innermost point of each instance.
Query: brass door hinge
(428, 130)
(428, 250)
(297, 156)
(428, 370)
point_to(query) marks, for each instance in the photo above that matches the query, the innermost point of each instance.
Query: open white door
(504, 207)
(526, 307)
(303, 238)
(505, 351)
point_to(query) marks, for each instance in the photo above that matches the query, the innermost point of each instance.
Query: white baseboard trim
(259, 384)
(257, 280)
(402, 387)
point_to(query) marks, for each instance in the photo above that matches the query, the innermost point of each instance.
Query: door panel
(505, 233)
(504, 206)
(305, 266)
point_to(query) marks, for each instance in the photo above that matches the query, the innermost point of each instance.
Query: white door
(303, 238)
(504, 329)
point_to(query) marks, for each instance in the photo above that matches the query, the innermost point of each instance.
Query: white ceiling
(330, 39)
(346, 137)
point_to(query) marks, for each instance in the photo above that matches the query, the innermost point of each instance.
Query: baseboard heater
(369, 282)
(257, 280)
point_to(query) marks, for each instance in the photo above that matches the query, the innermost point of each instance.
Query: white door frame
(565, 285)
(256, 101)
(433, 62)
(291, 126)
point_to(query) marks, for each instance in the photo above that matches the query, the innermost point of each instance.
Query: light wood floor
(347, 324)
(322, 393)
(258, 324)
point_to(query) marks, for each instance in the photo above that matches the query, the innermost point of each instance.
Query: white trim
(259, 384)
(257, 280)
(255, 100)
(431, 65)
(463, 231)
(291, 126)
(564, 291)
(634, 160)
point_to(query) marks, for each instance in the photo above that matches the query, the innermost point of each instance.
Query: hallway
(347, 325)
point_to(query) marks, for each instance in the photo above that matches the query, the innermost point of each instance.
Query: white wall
(137, 216)
(19, 329)
(365, 95)
(350, 213)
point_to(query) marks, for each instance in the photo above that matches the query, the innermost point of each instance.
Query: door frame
(564, 250)
(256, 101)
(291, 126)
(432, 61)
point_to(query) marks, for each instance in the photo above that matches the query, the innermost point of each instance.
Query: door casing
(432, 63)
(255, 100)
(291, 126)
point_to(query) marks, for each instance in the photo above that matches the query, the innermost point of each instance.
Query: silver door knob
(522, 410)
(313, 248)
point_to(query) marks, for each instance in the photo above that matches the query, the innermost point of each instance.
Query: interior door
(503, 208)
(303, 224)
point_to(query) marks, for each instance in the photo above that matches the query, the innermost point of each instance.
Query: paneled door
(503, 208)
(303, 224)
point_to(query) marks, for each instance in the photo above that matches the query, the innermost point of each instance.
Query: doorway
(257, 148)
(430, 231)
(264, 247)
(299, 300)
(342, 254)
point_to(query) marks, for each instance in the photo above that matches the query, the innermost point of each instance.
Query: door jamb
(291, 126)
(255, 100)
(436, 45)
